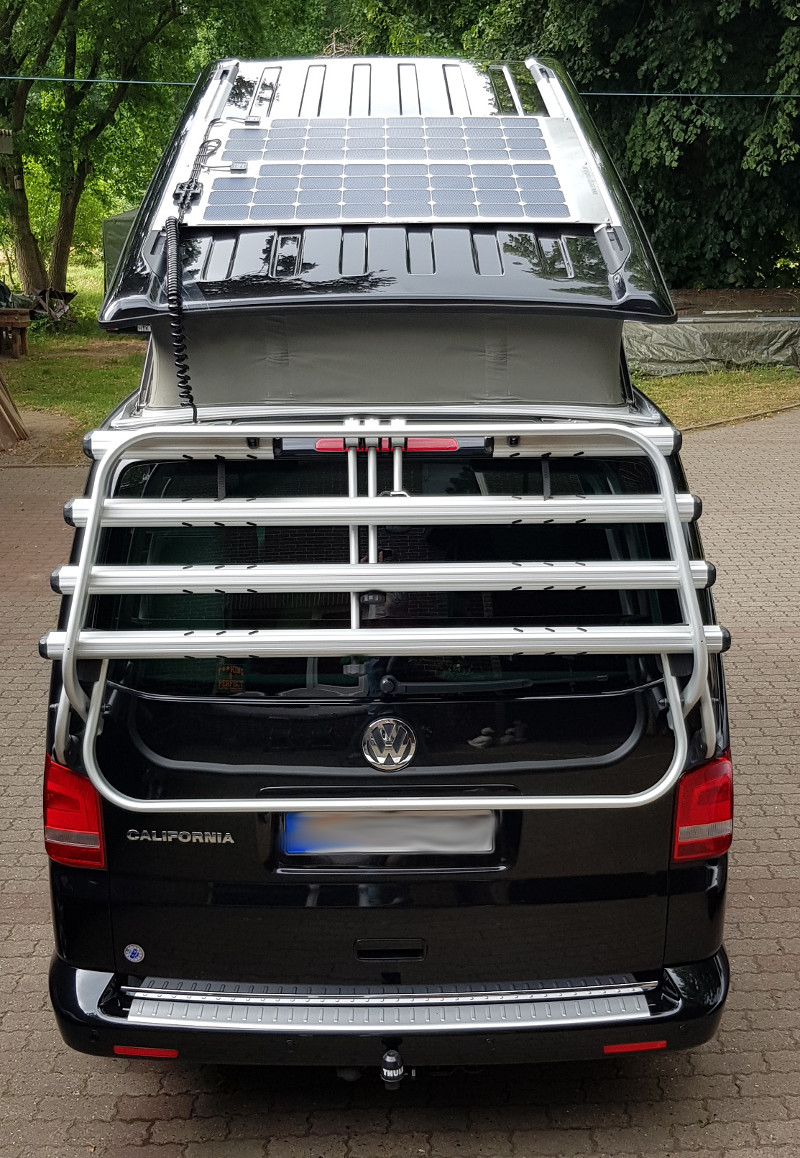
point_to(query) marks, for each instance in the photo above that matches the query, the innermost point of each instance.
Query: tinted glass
(324, 474)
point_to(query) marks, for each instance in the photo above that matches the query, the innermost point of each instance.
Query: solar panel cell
(545, 209)
(309, 181)
(449, 209)
(538, 182)
(319, 197)
(368, 182)
(229, 197)
(240, 155)
(400, 210)
(271, 182)
(407, 196)
(367, 211)
(492, 182)
(233, 183)
(276, 197)
(530, 154)
(401, 182)
(226, 213)
(447, 182)
(454, 197)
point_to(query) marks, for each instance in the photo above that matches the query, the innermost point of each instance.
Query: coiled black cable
(175, 308)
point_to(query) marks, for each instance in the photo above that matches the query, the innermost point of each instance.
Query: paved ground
(738, 1097)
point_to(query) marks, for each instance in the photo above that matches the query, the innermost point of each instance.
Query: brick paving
(737, 1097)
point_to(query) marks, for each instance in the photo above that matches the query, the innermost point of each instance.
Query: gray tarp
(698, 345)
(379, 356)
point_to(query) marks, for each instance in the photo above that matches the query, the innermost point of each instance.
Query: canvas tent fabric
(380, 356)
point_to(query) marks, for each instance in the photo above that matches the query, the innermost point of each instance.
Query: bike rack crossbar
(259, 439)
(332, 577)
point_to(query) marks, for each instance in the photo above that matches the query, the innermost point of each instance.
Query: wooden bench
(14, 331)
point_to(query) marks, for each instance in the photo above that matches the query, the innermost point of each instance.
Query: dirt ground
(755, 302)
(53, 440)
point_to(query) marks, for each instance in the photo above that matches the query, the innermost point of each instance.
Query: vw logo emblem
(388, 744)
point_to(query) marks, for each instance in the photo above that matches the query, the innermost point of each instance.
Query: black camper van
(387, 723)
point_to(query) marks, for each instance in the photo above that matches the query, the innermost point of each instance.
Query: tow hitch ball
(392, 1069)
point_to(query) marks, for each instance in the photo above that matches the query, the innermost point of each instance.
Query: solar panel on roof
(444, 167)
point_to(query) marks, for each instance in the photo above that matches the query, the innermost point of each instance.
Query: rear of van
(387, 722)
(431, 925)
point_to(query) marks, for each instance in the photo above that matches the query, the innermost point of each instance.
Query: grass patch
(722, 396)
(81, 378)
(77, 370)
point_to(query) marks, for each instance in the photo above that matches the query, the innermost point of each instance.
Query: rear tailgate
(551, 894)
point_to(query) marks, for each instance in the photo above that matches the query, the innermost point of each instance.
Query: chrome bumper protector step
(336, 1009)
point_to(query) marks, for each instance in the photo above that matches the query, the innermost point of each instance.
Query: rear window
(360, 676)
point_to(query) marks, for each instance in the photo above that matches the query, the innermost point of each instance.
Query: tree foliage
(717, 180)
(73, 140)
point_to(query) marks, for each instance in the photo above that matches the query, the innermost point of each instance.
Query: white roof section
(384, 140)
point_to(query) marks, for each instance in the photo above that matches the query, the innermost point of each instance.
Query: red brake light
(635, 1047)
(73, 834)
(704, 811)
(431, 444)
(143, 1051)
(337, 445)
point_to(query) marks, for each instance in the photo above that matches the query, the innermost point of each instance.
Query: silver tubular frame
(569, 437)
(408, 802)
(676, 639)
(339, 577)
(373, 511)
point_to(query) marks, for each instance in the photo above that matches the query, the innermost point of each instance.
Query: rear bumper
(683, 1010)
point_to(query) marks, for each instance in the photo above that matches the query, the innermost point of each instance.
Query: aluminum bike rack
(249, 440)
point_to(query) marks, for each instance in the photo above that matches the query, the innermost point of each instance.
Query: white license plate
(309, 833)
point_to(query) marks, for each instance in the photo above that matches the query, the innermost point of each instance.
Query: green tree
(716, 180)
(107, 138)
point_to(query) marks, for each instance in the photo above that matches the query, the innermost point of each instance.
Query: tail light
(73, 833)
(466, 447)
(143, 1051)
(704, 811)
(432, 445)
(635, 1047)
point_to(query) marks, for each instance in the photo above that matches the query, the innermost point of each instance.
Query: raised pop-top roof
(313, 154)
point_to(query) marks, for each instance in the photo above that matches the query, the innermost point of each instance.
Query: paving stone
(155, 1108)
(491, 1144)
(558, 1143)
(320, 1147)
(183, 1130)
(225, 1150)
(737, 1097)
(388, 1146)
